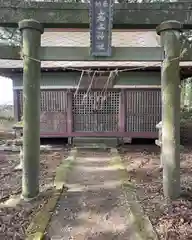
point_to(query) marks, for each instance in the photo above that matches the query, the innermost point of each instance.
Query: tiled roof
(120, 38)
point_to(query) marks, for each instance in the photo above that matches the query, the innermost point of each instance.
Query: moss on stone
(143, 229)
(38, 225)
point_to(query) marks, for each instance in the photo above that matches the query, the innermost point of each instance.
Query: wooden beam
(118, 54)
(10, 52)
(82, 54)
(141, 54)
(74, 15)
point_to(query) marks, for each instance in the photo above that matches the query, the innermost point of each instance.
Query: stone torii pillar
(169, 32)
(31, 33)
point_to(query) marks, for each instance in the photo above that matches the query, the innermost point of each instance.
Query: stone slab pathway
(93, 208)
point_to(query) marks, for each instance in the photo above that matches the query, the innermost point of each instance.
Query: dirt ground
(173, 222)
(15, 215)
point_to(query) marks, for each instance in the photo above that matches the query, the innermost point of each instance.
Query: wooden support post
(169, 32)
(69, 116)
(16, 105)
(31, 32)
(122, 112)
(182, 94)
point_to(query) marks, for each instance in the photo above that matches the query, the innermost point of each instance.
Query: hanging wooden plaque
(101, 22)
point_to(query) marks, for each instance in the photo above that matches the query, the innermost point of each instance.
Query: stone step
(91, 146)
(93, 142)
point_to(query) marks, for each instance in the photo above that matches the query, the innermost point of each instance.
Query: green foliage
(19, 124)
(186, 94)
(186, 116)
(10, 36)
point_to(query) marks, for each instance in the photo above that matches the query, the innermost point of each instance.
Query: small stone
(15, 148)
(19, 167)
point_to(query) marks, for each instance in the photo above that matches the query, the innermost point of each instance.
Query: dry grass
(171, 222)
(15, 214)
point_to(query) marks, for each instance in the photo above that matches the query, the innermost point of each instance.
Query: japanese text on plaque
(101, 27)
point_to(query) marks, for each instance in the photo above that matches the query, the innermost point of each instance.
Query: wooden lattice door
(143, 110)
(53, 111)
(96, 111)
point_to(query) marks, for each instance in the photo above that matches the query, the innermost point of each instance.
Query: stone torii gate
(170, 85)
(170, 76)
(32, 54)
(31, 33)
